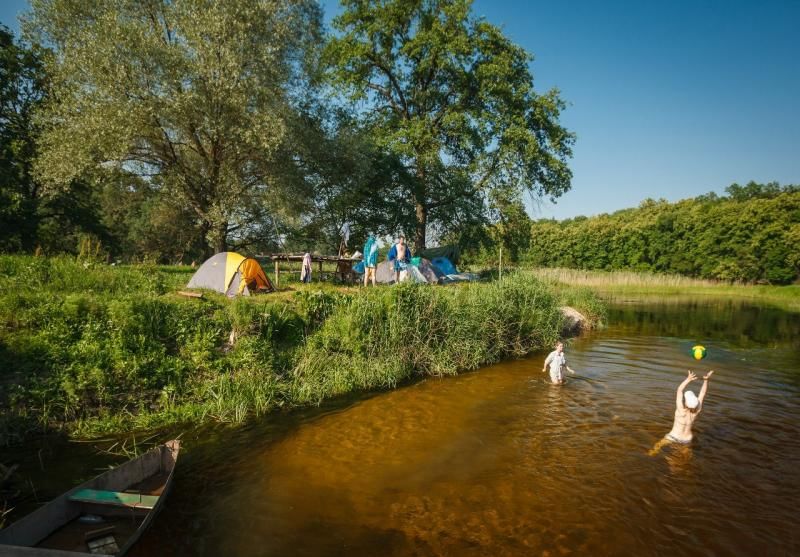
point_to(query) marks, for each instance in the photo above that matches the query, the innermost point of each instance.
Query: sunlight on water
(498, 462)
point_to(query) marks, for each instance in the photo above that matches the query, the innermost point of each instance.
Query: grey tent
(430, 271)
(385, 272)
(230, 273)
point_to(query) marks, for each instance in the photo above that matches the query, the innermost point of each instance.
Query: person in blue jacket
(370, 259)
(400, 256)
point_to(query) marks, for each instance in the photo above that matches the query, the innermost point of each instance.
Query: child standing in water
(687, 408)
(558, 362)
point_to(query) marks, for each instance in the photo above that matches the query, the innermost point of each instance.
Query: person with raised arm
(687, 407)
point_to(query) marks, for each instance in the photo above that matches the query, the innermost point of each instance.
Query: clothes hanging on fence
(305, 272)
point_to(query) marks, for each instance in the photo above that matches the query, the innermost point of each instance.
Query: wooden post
(320, 270)
(501, 263)
(277, 274)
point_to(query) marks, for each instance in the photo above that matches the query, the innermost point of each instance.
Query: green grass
(92, 349)
(650, 284)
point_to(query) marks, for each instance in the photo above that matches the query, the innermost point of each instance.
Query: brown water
(497, 462)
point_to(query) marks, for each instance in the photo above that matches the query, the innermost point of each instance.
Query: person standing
(558, 363)
(370, 259)
(400, 256)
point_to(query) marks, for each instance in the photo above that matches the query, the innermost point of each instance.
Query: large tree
(350, 180)
(453, 98)
(189, 94)
(21, 89)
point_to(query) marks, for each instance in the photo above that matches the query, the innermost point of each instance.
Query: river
(498, 462)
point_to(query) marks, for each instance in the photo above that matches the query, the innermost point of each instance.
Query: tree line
(751, 234)
(171, 129)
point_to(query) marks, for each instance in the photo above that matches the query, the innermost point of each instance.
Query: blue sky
(668, 99)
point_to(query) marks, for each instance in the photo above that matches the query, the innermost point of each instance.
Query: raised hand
(691, 377)
(708, 375)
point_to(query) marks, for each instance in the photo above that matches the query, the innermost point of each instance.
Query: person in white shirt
(558, 363)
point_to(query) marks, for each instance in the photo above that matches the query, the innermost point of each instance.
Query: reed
(604, 279)
(671, 286)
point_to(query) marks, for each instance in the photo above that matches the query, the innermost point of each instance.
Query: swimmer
(558, 362)
(687, 407)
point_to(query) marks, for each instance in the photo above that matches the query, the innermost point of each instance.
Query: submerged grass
(633, 283)
(94, 349)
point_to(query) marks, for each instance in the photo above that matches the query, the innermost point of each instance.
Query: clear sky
(668, 99)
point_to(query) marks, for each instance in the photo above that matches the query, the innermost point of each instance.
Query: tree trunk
(216, 237)
(220, 246)
(422, 223)
(420, 202)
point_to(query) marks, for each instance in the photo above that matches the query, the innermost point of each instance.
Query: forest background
(168, 133)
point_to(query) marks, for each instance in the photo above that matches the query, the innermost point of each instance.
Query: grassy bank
(94, 349)
(625, 282)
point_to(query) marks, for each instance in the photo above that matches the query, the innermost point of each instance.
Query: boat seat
(114, 498)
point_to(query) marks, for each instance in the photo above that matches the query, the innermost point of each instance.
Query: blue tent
(444, 265)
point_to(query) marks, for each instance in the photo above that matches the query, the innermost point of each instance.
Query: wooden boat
(105, 515)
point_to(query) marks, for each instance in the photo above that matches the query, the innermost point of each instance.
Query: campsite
(430, 278)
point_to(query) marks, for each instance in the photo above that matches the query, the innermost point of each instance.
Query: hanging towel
(305, 272)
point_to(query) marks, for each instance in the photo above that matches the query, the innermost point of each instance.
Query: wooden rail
(289, 257)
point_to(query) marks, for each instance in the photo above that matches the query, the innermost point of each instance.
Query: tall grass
(385, 336)
(626, 282)
(600, 279)
(98, 349)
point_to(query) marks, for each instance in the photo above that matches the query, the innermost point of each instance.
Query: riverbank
(649, 284)
(90, 349)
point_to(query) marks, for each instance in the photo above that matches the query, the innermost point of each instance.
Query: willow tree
(190, 94)
(452, 96)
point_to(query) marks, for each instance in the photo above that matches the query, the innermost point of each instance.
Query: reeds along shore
(640, 283)
(92, 349)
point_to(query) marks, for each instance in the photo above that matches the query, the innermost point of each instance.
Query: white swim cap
(690, 399)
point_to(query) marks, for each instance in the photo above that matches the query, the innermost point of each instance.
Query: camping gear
(385, 272)
(460, 277)
(453, 253)
(230, 273)
(432, 274)
(413, 274)
(126, 498)
(444, 265)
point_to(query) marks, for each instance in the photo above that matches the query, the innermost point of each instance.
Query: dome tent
(230, 273)
(384, 274)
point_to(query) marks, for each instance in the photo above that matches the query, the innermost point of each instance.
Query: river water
(498, 462)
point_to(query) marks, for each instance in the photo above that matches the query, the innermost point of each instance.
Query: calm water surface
(497, 462)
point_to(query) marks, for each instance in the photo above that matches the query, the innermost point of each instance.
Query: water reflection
(499, 462)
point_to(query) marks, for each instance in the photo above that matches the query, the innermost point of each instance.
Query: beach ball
(699, 352)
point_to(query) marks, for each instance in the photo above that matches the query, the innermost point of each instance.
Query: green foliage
(750, 236)
(100, 349)
(453, 99)
(190, 95)
(384, 336)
